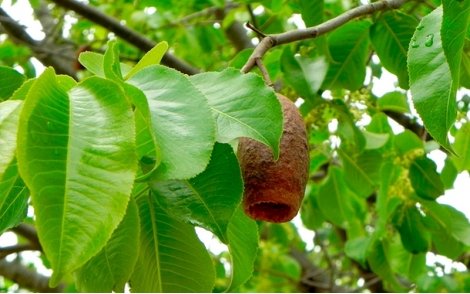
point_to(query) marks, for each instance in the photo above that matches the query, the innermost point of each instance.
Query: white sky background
(457, 197)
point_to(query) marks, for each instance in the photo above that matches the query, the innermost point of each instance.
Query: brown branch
(5, 251)
(48, 54)
(314, 279)
(26, 278)
(318, 30)
(28, 232)
(127, 34)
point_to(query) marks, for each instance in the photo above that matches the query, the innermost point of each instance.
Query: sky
(457, 197)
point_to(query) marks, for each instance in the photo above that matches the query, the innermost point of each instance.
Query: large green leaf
(349, 46)
(181, 119)
(9, 118)
(390, 35)
(208, 200)
(449, 218)
(243, 245)
(462, 148)
(171, 258)
(112, 267)
(243, 106)
(76, 154)
(424, 178)
(335, 200)
(10, 80)
(431, 82)
(13, 198)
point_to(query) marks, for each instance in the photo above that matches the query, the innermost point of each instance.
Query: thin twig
(264, 72)
(312, 32)
(255, 29)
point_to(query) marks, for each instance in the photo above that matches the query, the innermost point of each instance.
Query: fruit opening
(271, 212)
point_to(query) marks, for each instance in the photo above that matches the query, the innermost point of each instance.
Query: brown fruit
(274, 189)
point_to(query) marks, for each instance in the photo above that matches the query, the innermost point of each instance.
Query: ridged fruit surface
(274, 189)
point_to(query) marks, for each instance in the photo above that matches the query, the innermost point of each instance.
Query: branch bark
(127, 34)
(26, 278)
(48, 54)
(312, 32)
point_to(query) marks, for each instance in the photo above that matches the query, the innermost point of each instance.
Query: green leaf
(387, 202)
(304, 74)
(424, 178)
(357, 249)
(13, 194)
(243, 106)
(208, 200)
(9, 118)
(414, 235)
(394, 101)
(75, 151)
(452, 220)
(171, 258)
(390, 36)
(181, 119)
(443, 241)
(154, 56)
(243, 245)
(310, 213)
(312, 12)
(449, 173)
(379, 263)
(379, 125)
(146, 141)
(112, 267)
(93, 62)
(361, 171)
(10, 80)
(13, 198)
(431, 82)
(22, 91)
(407, 141)
(347, 128)
(111, 65)
(349, 46)
(375, 140)
(335, 200)
(462, 148)
(455, 22)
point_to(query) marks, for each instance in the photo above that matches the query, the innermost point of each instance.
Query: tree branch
(46, 53)
(5, 251)
(131, 36)
(312, 32)
(28, 232)
(26, 278)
